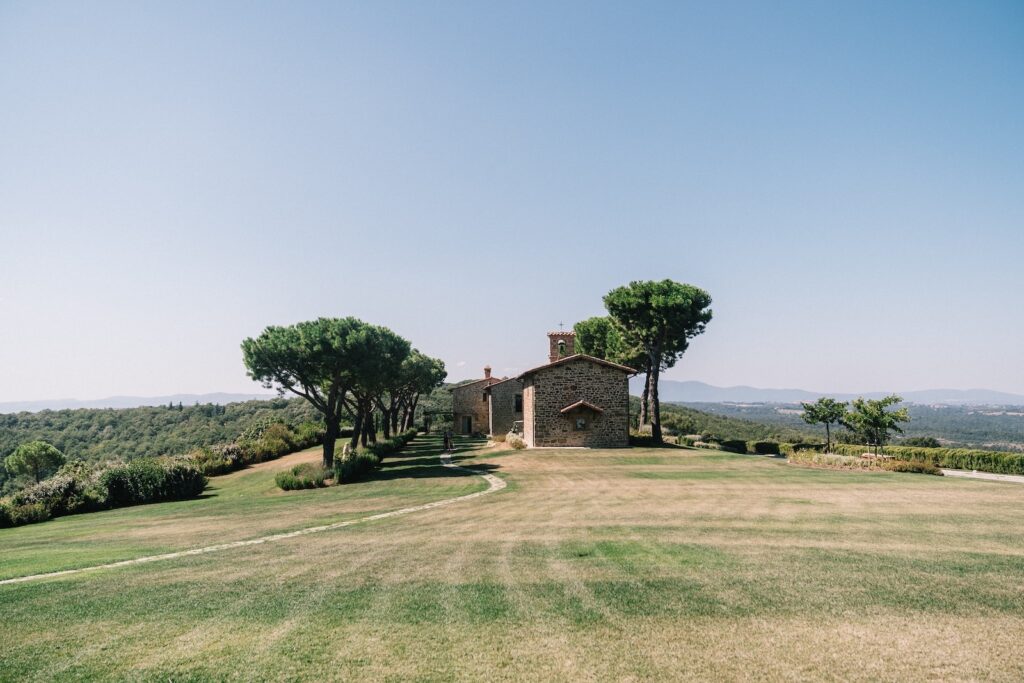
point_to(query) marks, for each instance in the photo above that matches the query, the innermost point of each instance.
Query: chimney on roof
(560, 345)
(487, 372)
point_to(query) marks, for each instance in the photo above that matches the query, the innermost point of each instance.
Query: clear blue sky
(846, 180)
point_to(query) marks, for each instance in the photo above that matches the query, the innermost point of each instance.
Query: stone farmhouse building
(470, 407)
(572, 400)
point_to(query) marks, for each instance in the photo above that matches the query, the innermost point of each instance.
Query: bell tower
(561, 344)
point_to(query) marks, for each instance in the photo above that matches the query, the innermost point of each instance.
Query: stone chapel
(574, 400)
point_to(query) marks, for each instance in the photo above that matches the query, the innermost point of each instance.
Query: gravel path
(493, 484)
(968, 474)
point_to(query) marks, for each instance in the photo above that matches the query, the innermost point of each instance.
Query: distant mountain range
(699, 392)
(669, 390)
(130, 402)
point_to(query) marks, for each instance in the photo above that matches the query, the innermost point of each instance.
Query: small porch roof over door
(581, 405)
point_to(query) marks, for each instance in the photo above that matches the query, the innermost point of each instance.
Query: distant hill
(699, 392)
(130, 402)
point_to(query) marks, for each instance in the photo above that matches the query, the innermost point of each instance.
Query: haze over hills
(129, 401)
(669, 390)
(699, 392)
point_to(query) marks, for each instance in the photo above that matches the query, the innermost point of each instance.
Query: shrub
(766, 448)
(74, 488)
(309, 434)
(213, 460)
(808, 447)
(832, 460)
(354, 467)
(28, 514)
(274, 440)
(499, 438)
(999, 462)
(305, 476)
(921, 442)
(919, 466)
(265, 441)
(149, 480)
(734, 445)
(181, 480)
(5, 515)
(687, 440)
(515, 441)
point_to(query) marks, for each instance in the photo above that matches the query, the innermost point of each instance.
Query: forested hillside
(679, 419)
(976, 427)
(92, 434)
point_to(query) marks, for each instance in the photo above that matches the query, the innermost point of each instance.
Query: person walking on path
(448, 441)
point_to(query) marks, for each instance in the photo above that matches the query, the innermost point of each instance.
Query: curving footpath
(988, 476)
(493, 484)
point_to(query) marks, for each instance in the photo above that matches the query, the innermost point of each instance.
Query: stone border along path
(494, 484)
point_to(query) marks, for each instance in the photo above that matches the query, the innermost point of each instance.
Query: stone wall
(503, 405)
(469, 400)
(550, 389)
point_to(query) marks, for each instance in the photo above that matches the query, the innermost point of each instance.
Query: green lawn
(593, 565)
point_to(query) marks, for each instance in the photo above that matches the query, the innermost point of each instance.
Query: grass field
(591, 565)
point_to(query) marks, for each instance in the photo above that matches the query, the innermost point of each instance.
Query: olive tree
(826, 411)
(871, 419)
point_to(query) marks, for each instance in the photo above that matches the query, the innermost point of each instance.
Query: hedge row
(732, 445)
(765, 447)
(347, 468)
(305, 476)
(260, 443)
(999, 462)
(855, 462)
(387, 447)
(80, 487)
(354, 466)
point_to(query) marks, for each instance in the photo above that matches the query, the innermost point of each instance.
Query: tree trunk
(369, 434)
(386, 420)
(644, 406)
(655, 404)
(357, 429)
(395, 412)
(330, 436)
(411, 419)
(828, 438)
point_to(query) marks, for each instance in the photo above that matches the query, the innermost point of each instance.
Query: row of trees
(345, 367)
(648, 327)
(870, 420)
